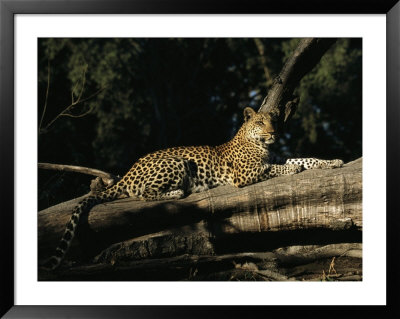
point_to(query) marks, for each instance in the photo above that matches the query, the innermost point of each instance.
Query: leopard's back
(191, 168)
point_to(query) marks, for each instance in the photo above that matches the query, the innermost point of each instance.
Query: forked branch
(74, 101)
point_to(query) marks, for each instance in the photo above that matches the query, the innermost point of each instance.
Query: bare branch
(47, 95)
(82, 86)
(79, 100)
(107, 178)
(73, 91)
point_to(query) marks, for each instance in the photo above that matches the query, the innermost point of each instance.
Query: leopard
(174, 173)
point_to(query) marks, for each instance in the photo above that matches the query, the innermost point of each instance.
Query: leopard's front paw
(335, 163)
(293, 169)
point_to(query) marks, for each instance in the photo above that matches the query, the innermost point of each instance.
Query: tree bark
(314, 207)
(280, 102)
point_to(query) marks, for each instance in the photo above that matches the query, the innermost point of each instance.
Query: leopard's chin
(267, 141)
(263, 141)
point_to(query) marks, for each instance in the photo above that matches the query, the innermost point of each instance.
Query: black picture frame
(8, 10)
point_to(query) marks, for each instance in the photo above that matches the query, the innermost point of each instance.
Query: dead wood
(107, 178)
(313, 207)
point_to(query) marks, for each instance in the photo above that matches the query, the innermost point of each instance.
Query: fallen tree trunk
(313, 207)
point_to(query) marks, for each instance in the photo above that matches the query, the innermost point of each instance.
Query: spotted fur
(312, 163)
(176, 172)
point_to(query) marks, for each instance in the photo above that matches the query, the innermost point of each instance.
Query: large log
(321, 203)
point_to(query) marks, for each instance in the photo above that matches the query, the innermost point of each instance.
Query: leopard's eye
(260, 123)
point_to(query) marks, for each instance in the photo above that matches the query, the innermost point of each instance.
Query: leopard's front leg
(263, 172)
(315, 163)
(274, 170)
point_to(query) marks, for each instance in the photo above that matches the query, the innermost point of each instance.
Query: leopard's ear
(248, 113)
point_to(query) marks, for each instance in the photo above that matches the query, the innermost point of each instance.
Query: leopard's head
(258, 127)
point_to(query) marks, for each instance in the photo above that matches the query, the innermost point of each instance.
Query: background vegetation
(140, 95)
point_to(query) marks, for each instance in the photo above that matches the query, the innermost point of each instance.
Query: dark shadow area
(267, 241)
(151, 220)
(211, 268)
(163, 216)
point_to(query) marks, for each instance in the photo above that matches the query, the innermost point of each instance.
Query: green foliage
(155, 93)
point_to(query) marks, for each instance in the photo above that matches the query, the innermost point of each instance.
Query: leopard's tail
(82, 208)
